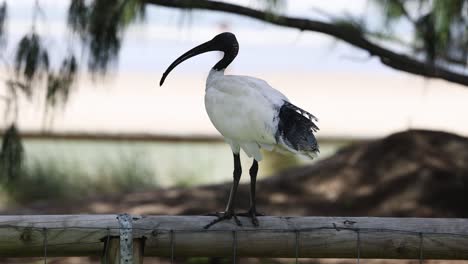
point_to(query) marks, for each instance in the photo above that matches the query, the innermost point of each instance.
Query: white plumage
(244, 110)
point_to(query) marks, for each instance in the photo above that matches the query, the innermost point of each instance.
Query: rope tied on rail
(126, 238)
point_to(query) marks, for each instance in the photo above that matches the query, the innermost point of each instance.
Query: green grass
(51, 180)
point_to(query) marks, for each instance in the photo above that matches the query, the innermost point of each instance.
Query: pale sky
(352, 94)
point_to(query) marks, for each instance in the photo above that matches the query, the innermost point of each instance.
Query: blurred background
(84, 118)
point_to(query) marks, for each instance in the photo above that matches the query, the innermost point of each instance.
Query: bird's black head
(225, 42)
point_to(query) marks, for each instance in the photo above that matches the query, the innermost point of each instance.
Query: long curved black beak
(205, 47)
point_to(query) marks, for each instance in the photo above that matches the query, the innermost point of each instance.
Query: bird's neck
(228, 57)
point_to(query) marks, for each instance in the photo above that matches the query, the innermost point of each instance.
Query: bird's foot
(252, 213)
(221, 216)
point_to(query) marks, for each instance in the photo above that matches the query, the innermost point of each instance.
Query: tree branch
(348, 34)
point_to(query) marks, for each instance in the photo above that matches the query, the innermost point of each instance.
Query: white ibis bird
(251, 115)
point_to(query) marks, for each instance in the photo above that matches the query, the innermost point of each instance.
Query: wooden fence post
(112, 251)
(138, 250)
(112, 256)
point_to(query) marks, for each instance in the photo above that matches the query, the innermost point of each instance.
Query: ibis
(251, 115)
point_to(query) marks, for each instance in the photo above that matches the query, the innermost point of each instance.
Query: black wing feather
(296, 127)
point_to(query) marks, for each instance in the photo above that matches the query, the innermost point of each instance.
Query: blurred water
(173, 163)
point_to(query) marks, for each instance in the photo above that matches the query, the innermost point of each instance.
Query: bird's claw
(223, 216)
(252, 213)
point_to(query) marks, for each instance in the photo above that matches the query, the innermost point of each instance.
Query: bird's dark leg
(253, 181)
(229, 213)
(252, 213)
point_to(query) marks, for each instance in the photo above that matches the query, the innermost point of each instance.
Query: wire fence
(170, 236)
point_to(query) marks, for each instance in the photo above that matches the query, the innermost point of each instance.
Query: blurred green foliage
(100, 25)
(59, 83)
(440, 27)
(11, 156)
(31, 58)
